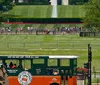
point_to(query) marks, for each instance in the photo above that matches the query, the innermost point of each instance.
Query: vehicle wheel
(54, 84)
(0, 84)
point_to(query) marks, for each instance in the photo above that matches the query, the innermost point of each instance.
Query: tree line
(91, 8)
(92, 15)
(6, 5)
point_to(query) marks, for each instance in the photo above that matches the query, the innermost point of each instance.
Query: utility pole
(89, 64)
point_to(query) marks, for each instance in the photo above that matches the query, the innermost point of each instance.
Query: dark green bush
(46, 20)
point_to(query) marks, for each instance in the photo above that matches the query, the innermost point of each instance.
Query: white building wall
(65, 2)
(13, 0)
(20, 1)
(53, 2)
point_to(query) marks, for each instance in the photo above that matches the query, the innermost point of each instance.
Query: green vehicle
(34, 70)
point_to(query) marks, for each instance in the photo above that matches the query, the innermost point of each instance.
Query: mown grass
(71, 11)
(45, 11)
(51, 45)
(31, 11)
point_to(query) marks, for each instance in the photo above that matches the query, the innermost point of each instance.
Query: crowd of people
(10, 65)
(37, 30)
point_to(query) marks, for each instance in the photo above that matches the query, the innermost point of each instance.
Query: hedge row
(46, 20)
(35, 3)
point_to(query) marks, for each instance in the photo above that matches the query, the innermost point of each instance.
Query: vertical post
(24, 45)
(57, 43)
(65, 80)
(7, 44)
(65, 2)
(89, 63)
(54, 2)
(20, 1)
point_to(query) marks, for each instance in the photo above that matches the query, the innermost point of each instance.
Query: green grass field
(51, 45)
(31, 11)
(45, 11)
(71, 11)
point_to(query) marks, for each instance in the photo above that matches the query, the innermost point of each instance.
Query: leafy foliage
(1, 1)
(92, 16)
(6, 5)
(78, 2)
(33, 2)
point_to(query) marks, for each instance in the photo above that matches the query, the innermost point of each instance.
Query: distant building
(59, 2)
(67, 2)
(21, 1)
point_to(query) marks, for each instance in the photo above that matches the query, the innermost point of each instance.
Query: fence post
(97, 81)
(94, 71)
(24, 45)
(7, 44)
(40, 45)
(57, 42)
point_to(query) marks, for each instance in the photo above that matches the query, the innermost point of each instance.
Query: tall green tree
(5, 5)
(92, 15)
(77, 2)
(1, 1)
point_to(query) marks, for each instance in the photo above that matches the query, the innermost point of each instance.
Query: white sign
(25, 78)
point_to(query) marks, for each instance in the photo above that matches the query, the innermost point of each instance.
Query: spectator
(37, 31)
(31, 30)
(9, 30)
(53, 31)
(21, 29)
(47, 31)
(14, 66)
(28, 28)
(11, 65)
(18, 29)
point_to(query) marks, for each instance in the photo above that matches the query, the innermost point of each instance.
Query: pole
(89, 64)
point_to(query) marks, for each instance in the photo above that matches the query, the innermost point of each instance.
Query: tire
(0, 84)
(54, 84)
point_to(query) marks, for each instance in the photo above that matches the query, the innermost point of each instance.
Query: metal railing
(47, 45)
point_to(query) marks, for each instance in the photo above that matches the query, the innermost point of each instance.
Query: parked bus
(40, 70)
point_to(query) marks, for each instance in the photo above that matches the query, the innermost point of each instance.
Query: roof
(31, 57)
(69, 57)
